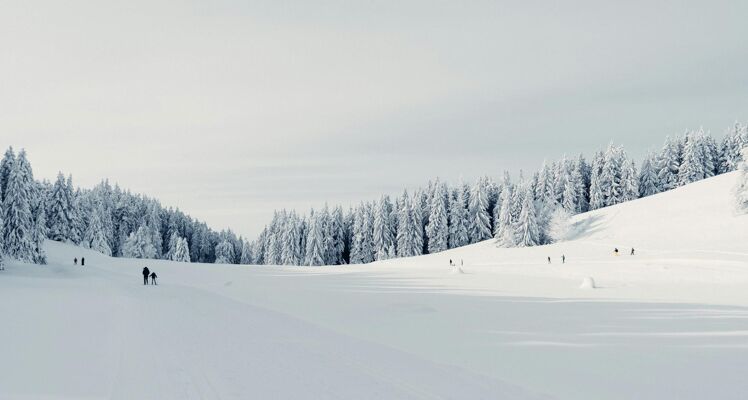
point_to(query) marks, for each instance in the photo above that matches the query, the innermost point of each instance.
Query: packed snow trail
(96, 332)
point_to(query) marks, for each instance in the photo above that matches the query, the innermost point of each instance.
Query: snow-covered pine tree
(224, 252)
(569, 195)
(95, 238)
(315, 241)
(384, 238)
(559, 226)
(173, 243)
(181, 251)
(6, 165)
(18, 220)
(611, 176)
(417, 218)
(247, 256)
(76, 219)
(527, 225)
(585, 170)
(458, 234)
(597, 198)
(154, 227)
(337, 230)
(692, 166)
(438, 228)
(669, 164)
(406, 228)
(736, 137)
(367, 240)
(711, 156)
(561, 179)
(139, 244)
(544, 187)
(649, 182)
(629, 180)
(59, 220)
(479, 225)
(505, 233)
(291, 253)
(39, 233)
(741, 187)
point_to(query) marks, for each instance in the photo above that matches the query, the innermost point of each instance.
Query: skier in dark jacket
(153, 278)
(146, 273)
(75, 261)
(83, 261)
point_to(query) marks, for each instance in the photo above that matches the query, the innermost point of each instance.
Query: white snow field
(669, 322)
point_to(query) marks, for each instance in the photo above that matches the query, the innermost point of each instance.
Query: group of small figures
(615, 252)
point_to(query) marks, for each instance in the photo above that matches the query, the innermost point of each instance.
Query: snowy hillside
(668, 322)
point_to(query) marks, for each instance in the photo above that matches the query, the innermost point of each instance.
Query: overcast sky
(229, 109)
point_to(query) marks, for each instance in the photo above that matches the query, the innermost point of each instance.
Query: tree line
(106, 219)
(528, 211)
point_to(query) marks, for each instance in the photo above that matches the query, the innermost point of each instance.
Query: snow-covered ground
(668, 322)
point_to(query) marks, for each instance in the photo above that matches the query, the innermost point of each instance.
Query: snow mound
(588, 283)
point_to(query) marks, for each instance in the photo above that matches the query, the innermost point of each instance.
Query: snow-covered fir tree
(692, 165)
(139, 244)
(479, 225)
(735, 139)
(224, 252)
(6, 165)
(173, 243)
(741, 187)
(458, 234)
(438, 228)
(559, 225)
(59, 218)
(407, 231)
(527, 225)
(39, 223)
(629, 180)
(181, 251)
(76, 220)
(649, 182)
(384, 234)
(95, 238)
(669, 163)
(315, 242)
(291, 251)
(338, 236)
(505, 233)
(247, 256)
(597, 199)
(18, 223)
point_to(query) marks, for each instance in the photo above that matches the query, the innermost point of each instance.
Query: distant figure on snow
(153, 278)
(75, 261)
(563, 259)
(146, 273)
(549, 260)
(461, 263)
(450, 262)
(632, 251)
(615, 251)
(83, 261)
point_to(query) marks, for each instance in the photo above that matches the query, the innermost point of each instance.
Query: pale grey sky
(229, 109)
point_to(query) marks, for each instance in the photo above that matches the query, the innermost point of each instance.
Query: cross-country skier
(146, 273)
(153, 278)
